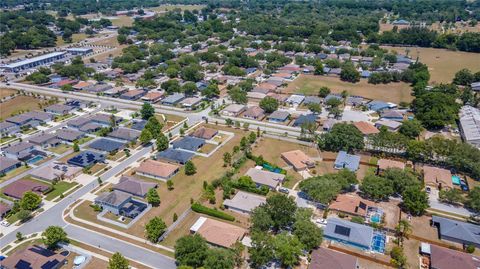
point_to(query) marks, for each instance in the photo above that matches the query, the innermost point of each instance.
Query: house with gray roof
(45, 140)
(8, 128)
(350, 233)
(295, 99)
(244, 202)
(470, 125)
(7, 164)
(86, 159)
(457, 231)
(78, 122)
(134, 186)
(98, 88)
(113, 201)
(233, 110)
(91, 127)
(303, 119)
(59, 109)
(125, 134)
(18, 150)
(107, 145)
(69, 135)
(347, 161)
(312, 100)
(173, 99)
(189, 143)
(56, 171)
(265, 178)
(175, 155)
(138, 124)
(279, 116)
(104, 119)
(32, 119)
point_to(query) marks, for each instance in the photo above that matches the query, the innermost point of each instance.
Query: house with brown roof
(218, 233)
(324, 258)
(205, 133)
(366, 128)
(298, 159)
(33, 257)
(18, 188)
(254, 112)
(233, 110)
(4, 209)
(351, 204)
(81, 85)
(437, 177)
(153, 96)
(157, 170)
(384, 164)
(134, 186)
(444, 258)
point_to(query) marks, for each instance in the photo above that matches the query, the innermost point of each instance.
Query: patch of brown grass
(18, 104)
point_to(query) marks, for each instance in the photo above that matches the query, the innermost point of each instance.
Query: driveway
(437, 205)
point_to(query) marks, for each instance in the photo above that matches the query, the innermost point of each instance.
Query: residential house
(204, 133)
(59, 109)
(113, 201)
(279, 116)
(244, 202)
(34, 257)
(256, 95)
(45, 140)
(312, 100)
(295, 99)
(378, 106)
(328, 124)
(351, 204)
(469, 119)
(347, 161)
(254, 112)
(77, 104)
(366, 128)
(125, 134)
(134, 186)
(475, 86)
(265, 178)
(153, 96)
(438, 178)
(107, 145)
(191, 103)
(69, 135)
(18, 188)
(218, 233)
(132, 95)
(81, 85)
(7, 165)
(138, 125)
(86, 159)
(78, 122)
(392, 114)
(91, 127)
(233, 110)
(19, 150)
(105, 119)
(444, 258)
(389, 124)
(56, 171)
(351, 233)
(157, 170)
(175, 155)
(305, 119)
(457, 231)
(8, 128)
(298, 159)
(99, 88)
(325, 258)
(173, 99)
(4, 209)
(189, 143)
(31, 119)
(115, 91)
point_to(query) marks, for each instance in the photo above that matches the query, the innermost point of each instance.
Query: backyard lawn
(60, 149)
(310, 85)
(60, 188)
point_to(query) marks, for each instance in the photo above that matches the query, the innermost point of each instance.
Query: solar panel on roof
(342, 230)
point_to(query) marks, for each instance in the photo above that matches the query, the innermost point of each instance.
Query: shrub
(470, 248)
(211, 212)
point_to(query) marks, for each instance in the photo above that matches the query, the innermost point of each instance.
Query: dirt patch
(17, 105)
(4, 92)
(310, 85)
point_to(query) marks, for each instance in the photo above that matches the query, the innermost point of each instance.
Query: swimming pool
(376, 218)
(456, 180)
(35, 159)
(378, 242)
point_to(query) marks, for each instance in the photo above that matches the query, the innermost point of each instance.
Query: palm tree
(403, 230)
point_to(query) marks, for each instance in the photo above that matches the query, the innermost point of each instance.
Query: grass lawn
(63, 117)
(96, 263)
(168, 120)
(442, 63)
(60, 188)
(97, 167)
(6, 139)
(17, 105)
(60, 149)
(207, 148)
(310, 85)
(122, 21)
(116, 156)
(84, 140)
(75, 38)
(15, 172)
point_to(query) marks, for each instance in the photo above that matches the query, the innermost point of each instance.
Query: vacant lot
(4, 92)
(17, 105)
(392, 92)
(122, 21)
(164, 8)
(75, 38)
(442, 63)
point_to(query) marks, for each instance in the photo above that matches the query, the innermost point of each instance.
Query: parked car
(5, 223)
(284, 190)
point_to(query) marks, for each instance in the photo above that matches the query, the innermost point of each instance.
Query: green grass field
(59, 188)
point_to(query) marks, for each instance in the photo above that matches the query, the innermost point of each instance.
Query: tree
(170, 184)
(411, 128)
(238, 95)
(349, 73)
(315, 108)
(324, 91)
(30, 201)
(414, 200)
(452, 196)
(219, 258)
(325, 188)
(154, 229)
(152, 197)
(76, 148)
(473, 199)
(376, 188)
(342, 136)
(403, 230)
(287, 249)
(261, 219)
(435, 109)
(463, 77)
(309, 234)
(191, 250)
(24, 215)
(154, 126)
(227, 159)
(117, 261)
(147, 111)
(262, 250)
(269, 104)
(19, 236)
(145, 137)
(54, 235)
(162, 142)
(190, 168)
(398, 257)
(281, 209)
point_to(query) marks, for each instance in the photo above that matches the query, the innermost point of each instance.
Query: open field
(442, 63)
(164, 8)
(310, 85)
(122, 21)
(18, 104)
(460, 27)
(75, 38)
(388, 27)
(4, 92)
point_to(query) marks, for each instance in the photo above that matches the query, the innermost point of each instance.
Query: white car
(321, 221)
(5, 223)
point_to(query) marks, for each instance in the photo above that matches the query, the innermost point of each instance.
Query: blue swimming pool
(456, 180)
(378, 242)
(35, 159)
(375, 218)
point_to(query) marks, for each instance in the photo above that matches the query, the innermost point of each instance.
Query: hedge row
(211, 212)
